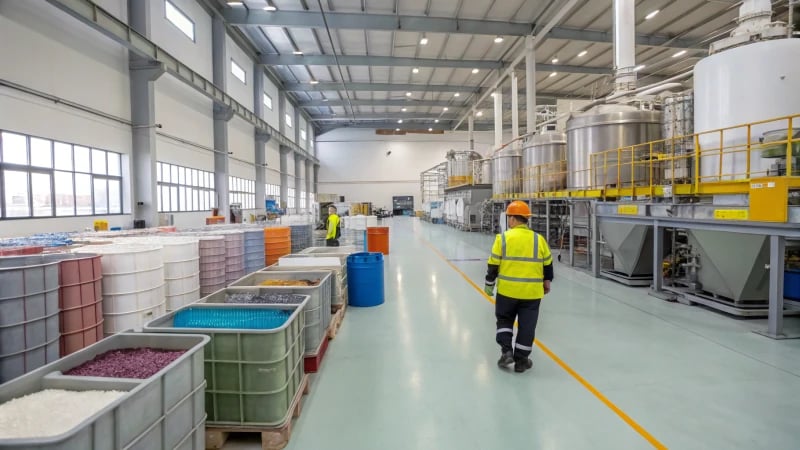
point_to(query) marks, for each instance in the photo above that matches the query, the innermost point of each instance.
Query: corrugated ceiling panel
(380, 42)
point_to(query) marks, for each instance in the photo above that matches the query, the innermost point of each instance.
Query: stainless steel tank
(677, 123)
(505, 172)
(609, 127)
(544, 162)
(484, 171)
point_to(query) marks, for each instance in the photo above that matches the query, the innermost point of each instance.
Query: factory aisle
(613, 368)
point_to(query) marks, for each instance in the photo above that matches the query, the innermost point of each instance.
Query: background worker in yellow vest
(332, 238)
(522, 268)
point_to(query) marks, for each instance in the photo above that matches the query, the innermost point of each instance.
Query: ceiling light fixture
(424, 40)
(445, 108)
(235, 3)
(457, 94)
(680, 53)
(475, 70)
(397, 129)
(498, 40)
(415, 70)
(297, 52)
(638, 68)
(404, 109)
(479, 113)
(553, 74)
(583, 53)
(314, 82)
(400, 121)
(430, 129)
(270, 7)
(555, 60)
(436, 121)
(651, 15)
(408, 94)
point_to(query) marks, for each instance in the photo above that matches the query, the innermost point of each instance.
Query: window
(46, 178)
(302, 134)
(183, 189)
(267, 101)
(238, 72)
(290, 202)
(288, 120)
(302, 200)
(273, 190)
(179, 19)
(242, 191)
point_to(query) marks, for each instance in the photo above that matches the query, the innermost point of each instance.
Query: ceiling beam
(542, 97)
(389, 22)
(336, 86)
(360, 60)
(367, 118)
(444, 125)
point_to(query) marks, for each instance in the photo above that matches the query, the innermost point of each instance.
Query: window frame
(236, 65)
(167, 4)
(264, 101)
(188, 182)
(242, 190)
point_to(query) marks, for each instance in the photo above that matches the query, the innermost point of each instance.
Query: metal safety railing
(716, 161)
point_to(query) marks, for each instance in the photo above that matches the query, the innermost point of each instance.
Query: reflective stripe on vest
(520, 258)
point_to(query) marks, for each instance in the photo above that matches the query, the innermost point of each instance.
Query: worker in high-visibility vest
(332, 238)
(522, 268)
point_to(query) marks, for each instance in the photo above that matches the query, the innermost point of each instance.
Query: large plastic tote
(338, 279)
(164, 411)
(318, 309)
(253, 374)
(29, 328)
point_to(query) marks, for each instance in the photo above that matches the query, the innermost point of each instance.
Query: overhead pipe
(624, 45)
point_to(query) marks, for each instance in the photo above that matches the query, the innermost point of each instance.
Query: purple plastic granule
(137, 363)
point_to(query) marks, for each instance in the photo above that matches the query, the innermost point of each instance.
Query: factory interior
(300, 224)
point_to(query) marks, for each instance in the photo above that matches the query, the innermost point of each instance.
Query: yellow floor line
(619, 412)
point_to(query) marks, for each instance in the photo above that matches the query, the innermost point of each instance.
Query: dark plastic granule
(137, 363)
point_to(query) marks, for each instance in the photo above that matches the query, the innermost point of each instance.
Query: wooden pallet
(272, 438)
(336, 320)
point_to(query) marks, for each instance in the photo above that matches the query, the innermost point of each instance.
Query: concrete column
(261, 138)
(222, 115)
(514, 105)
(530, 85)
(471, 132)
(284, 175)
(309, 170)
(282, 112)
(143, 74)
(777, 245)
(498, 117)
(298, 180)
(316, 178)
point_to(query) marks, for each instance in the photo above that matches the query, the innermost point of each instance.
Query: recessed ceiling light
(638, 68)
(498, 40)
(400, 121)
(430, 129)
(680, 53)
(408, 94)
(235, 3)
(651, 15)
(415, 70)
(397, 129)
(553, 74)
(457, 94)
(583, 53)
(436, 121)
(270, 8)
(555, 60)
(479, 113)
(297, 52)
(475, 70)
(404, 109)
(445, 108)
(314, 82)
(423, 41)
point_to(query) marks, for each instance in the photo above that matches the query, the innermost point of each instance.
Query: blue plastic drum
(365, 279)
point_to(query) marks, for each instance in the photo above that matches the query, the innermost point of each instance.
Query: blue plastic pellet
(232, 318)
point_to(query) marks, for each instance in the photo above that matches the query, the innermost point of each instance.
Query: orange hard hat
(518, 208)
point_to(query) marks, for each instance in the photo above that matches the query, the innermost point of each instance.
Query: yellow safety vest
(333, 225)
(521, 254)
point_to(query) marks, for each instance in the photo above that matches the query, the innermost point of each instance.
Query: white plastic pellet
(51, 412)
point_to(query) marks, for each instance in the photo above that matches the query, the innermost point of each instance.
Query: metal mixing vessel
(544, 162)
(610, 127)
(505, 172)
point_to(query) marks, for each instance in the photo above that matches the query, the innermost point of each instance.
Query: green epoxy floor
(419, 371)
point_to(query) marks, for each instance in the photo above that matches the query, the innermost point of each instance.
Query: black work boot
(521, 365)
(506, 359)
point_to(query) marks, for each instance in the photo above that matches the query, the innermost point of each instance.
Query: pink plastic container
(80, 301)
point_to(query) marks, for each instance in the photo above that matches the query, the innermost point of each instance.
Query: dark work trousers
(331, 242)
(526, 312)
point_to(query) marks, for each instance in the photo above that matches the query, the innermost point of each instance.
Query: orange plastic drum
(378, 239)
(277, 243)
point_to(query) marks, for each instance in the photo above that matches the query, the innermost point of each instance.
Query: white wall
(290, 130)
(241, 92)
(184, 112)
(197, 54)
(271, 115)
(241, 140)
(354, 163)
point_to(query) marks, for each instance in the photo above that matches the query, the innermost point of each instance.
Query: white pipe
(624, 44)
(514, 106)
(530, 84)
(471, 131)
(657, 89)
(635, 91)
(498, 118)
